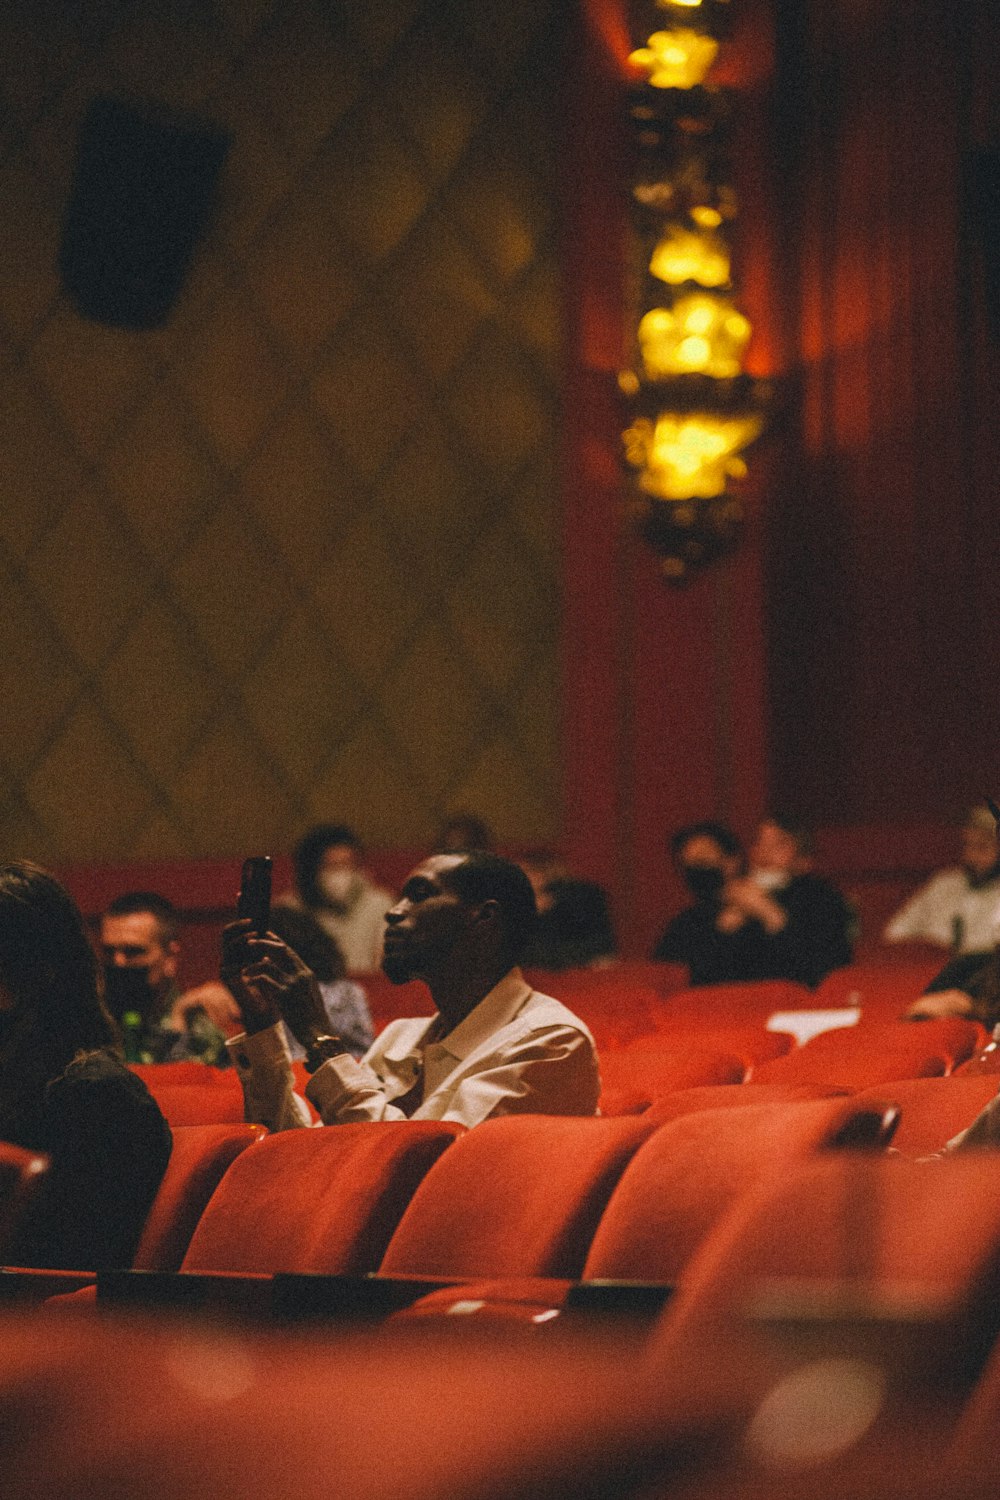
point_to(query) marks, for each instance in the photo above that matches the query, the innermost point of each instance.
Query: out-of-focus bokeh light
(702, 334)
(676, 59)
(689, 456)
(690, 255)
(816, 1413)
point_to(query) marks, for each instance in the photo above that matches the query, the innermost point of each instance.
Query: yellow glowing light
(689, 255)
(689, 457)
(677, 59)
(702, 334)
(707, 218)
(666, 4)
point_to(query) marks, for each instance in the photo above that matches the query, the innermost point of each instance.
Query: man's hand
(269, 982)
(215, 999)
(745, 896)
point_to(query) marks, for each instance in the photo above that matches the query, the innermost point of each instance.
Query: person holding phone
(494, 1047)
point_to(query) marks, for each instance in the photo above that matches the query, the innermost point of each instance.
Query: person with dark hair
(799, 922)
(706, 855)
(141, 950)
(777, 921)
(64, 1089)
(574, 925)
(462, 832)
(494, 1047)
(332, 884)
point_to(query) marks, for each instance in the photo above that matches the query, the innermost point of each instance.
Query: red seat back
(713, 1005)
(867, 1055)
(875, 1229)
(883, 989)
(194, 1104)
(200, 1156)
(631, 1081)
(168, 1075)
(686, 1101)
(21, 1174)
(518, 1196)
(690, 1171)
(933, 1109)
(323, 1200)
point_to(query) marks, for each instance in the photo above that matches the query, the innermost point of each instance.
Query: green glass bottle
(132, 1036)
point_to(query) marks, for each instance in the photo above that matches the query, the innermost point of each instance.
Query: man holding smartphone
(494, 1047)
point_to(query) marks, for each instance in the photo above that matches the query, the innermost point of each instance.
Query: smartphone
(254, 900)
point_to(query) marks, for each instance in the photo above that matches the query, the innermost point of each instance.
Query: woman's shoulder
(97, 1085)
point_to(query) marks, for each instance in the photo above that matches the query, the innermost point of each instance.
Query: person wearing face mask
(776, 920)
(332, 885)
(141, 952)
(706, 855)
(790, 922)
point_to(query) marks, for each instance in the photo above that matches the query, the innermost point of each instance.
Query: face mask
(127, 989)
(340, 887)
(769, 880)
(705, 882)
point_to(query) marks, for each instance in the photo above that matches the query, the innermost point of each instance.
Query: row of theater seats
(817, 1316)
(829, 1332)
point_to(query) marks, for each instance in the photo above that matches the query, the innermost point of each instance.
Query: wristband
(321, 1049)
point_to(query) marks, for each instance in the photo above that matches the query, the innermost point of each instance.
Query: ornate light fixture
(693, 408)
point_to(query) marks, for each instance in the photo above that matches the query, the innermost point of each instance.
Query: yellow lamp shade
(689, 456)
(702, 334)
(690, 255)
(676, 59)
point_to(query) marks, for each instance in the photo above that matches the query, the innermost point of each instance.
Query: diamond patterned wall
(293, 555)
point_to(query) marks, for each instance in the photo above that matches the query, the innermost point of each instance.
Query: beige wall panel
(293, 555)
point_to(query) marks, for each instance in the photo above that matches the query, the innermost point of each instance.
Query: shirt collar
(493, 1012)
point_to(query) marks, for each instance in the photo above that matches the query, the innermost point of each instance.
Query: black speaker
(142, 192)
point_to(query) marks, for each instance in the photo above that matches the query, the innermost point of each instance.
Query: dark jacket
(109, 1146)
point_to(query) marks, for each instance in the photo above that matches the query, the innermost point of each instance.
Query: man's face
(979, 850)
(774, 849)
(338, 857)
(427, 924)
(136, 942)
(706, 866)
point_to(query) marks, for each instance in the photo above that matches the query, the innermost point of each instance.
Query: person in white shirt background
(333, 886)
(959, 908)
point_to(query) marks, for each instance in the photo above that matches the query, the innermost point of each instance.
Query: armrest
(31, 1284)
(349, 1299)
(605, 1297)
(187, 1291)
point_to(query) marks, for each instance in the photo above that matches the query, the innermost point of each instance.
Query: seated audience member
(141, 952)
(574, 922)
(332, 884)
(706, 855)
(779, 921)
(958, 908)
(345, 1002)
(463, 832)
(495, 1046)
(64, 1089)
(967, 987)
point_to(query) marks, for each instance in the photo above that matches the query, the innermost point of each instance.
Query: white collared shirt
(517, 1052)
(949, 908)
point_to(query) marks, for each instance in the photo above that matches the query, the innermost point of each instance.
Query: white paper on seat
(804, 1024)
